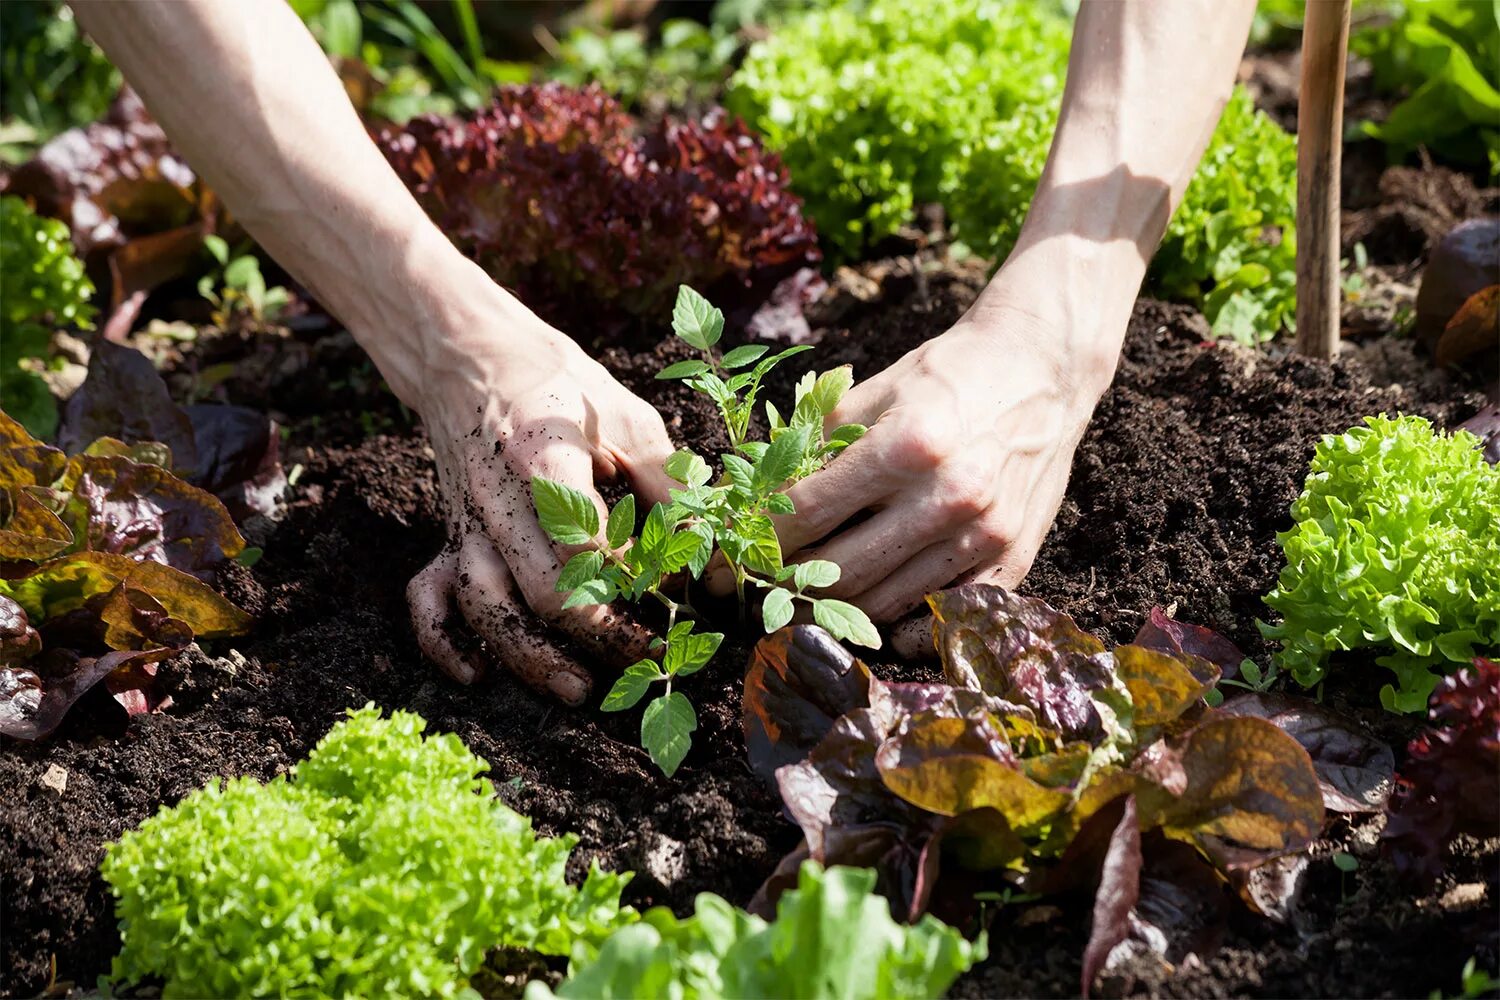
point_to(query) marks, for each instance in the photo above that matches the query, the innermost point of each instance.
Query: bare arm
(247, 96)
(965, 464)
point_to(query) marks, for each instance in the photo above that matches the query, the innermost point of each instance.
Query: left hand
(970, 443)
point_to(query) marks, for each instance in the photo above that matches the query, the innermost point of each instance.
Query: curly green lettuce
(1395, 547)
(382, 866)
(42, 284)
(833, 937)
(876, 112)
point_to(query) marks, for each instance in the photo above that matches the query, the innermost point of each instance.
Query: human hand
(965, 463)
(518, 399)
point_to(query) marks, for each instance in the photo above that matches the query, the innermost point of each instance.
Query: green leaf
(567, 516)
(845, 621)
(830, 388)
(741, 474)
(753, 543)
(695, 320)
(777, 609)
(666, 730)
(698, 561)
(780, 503)
(683, 369)
(714, 388)
(580, 569)
(680, 550)
(631, 686)
(216, 246)
(688, 468)
(847, 434)
(816, 573)
(621, 522)
(691, 652)
(591, 592)
(742, 356)
(780, 460)
(241, 271)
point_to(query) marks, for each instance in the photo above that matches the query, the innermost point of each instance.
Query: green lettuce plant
(42, 286)
(730, 515)
(383, 865)
(1395, 547)
(833, 938)
(1440, 55)
(875, 112)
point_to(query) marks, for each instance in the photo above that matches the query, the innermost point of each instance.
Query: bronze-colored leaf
(124, 397)
(1119, 889)
(33, 703)
(1171, 636)
(1022, 650)
(951, 766)
(29, 531)
(799, 681)
(1355, 771)
(1162, 685)
(25, 461)
(1250, 794)
(1473, 330)
(147, 513)
(65, 584)
(19, 642)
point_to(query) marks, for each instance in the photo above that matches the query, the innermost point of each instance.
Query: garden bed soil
(1177, 492)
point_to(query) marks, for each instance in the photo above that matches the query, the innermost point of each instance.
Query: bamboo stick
(1320, 147)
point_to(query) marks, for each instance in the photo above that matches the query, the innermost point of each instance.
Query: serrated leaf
(830, 387)
(680, 550)
(753, 544)
(695, 320)
(621, 522)
(580, 569)
(742, 356)
(631, 686)
(753, 450)
(777, 609)
(816, 573)
(683, 369)
(780, 460)
(688, 468)
(847, 434)
(666, 730)
(590, 592)
(845, 621)
(780, 503)
(740, 472)
(804, 386)
(567, 516)
(698, 561)
(714, 388)
(691, 652)
(773, 417)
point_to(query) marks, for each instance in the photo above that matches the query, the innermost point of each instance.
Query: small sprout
(730, 515)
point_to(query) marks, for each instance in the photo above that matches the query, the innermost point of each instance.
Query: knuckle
(964, 494)
(922, 444)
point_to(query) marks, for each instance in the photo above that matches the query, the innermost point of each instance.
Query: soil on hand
(1177, 493)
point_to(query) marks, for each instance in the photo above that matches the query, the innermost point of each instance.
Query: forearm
(248, 98)
(1146, 83)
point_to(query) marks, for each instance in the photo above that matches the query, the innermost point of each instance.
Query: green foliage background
(876, 111)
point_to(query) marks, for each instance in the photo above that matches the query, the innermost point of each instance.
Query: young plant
(241, 287)
(730, 515)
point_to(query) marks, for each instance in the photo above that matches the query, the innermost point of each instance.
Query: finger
(858, 478)
(934, 568)
(488, 600)
(873, 551)
(429, 596)
(912, 640)
(644, 460)
(535, 563)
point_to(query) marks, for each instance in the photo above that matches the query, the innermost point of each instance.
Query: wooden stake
(1320, 148)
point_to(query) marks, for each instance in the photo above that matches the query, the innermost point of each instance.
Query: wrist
(1077, 294)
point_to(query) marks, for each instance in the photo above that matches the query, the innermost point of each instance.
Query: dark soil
(1178, 490)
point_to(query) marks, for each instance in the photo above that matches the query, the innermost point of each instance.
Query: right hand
(509, 399)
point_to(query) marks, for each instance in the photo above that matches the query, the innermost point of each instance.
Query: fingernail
(571, 688)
